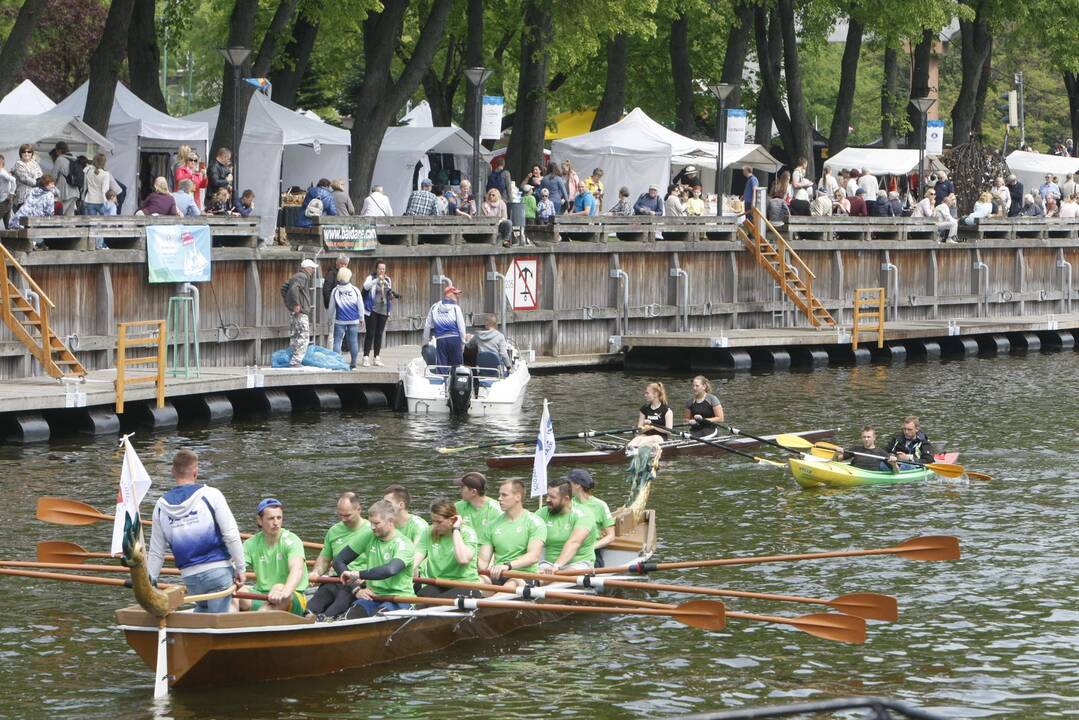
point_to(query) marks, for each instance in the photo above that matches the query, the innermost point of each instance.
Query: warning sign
(524, 283)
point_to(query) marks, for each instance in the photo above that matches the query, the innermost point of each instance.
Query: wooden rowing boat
(208, 649)
(616, 453)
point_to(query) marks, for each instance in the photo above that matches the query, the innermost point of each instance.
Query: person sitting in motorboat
(702, 407)
(868, 456)
(911, 444)
(491, 340)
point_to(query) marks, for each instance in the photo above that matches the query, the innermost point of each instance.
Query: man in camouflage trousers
(297, 296)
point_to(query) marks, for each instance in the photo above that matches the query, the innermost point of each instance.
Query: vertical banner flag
(491, 117)
(134, 483)
(544, 452)
(736, 127)
(934, 137)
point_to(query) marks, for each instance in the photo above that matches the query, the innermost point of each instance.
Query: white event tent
(880, 161)
(25, 99)
(137, 129)
(1031, 168)
(282, 148)
(403, 147)
(44, 131)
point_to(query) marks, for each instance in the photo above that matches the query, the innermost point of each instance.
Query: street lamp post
(922, 105)
(478, 76)
(722, 91)
(235, 56)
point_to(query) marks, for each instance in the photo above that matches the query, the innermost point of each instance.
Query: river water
(996, 633)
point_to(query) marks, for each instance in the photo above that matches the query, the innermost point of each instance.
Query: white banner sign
(736, 126)
(491, 122)
(934, 137)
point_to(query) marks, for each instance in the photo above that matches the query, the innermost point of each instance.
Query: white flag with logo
(544, 452)
(134, 483)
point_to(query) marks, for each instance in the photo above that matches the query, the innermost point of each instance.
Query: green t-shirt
(414, 529)
(381, 552)
(561, 526)
(271, 563)
(340, 536)
(509, 538)
(600, 509)
(442, 560)
(480, 518)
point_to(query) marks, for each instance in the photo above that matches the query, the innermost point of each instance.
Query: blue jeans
(371, 607)
(209, 581)
(449, 351)
(93, 208)
(352, 333)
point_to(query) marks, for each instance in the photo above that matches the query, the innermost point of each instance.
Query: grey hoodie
(492, 341)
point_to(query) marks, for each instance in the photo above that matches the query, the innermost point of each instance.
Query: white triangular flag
(544, 452)
(134, 484)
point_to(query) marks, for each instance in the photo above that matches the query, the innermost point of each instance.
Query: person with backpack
(69, 177)
(296, 294)
(499, 179)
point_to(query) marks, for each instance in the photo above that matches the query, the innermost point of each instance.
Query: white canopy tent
(25, 99)
(404, 147)
(282, 148)
(419, 116)
(880, 161)
(635, 152)
(135, 129)
(44, 131)
(1031, 168)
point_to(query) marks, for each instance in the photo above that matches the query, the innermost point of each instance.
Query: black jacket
(920, 447)
(217, 176)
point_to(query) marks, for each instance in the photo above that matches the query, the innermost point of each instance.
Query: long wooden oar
(65, 511)
(114, 582)
(62, 551)
(703, 614)
(948, 470)
(721, 446)
(532, 440)
(842, 628)
(870, 606)
(928, 548)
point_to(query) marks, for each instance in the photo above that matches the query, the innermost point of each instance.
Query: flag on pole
(544, 452)
(263, 85)
(134, 483)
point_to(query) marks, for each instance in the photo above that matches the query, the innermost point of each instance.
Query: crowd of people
(363, 561)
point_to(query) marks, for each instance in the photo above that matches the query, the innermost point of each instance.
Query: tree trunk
(287, 80)
(473, 58)
(919, 84)
(801, 130)
(614, 90)
(441, 87)
(770, 67)
(975, 48)
(769, 38)
(1071, 83)
(105, 66)
(380, 96)
(734, 58)
(530, 115)
(17, 44)
(682, 73)
(241, 34)
(983, 90)
(848, 81)
(144, 57)
(889, 98)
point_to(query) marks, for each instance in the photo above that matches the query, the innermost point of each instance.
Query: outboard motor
(460, 390)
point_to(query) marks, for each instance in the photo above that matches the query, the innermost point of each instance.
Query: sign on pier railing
(348, 237)
(178, 253)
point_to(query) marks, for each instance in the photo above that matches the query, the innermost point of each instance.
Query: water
(996, 633)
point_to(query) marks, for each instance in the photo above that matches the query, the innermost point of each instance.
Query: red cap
(451, 289)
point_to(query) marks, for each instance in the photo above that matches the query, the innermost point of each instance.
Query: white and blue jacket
(444, 319)
(346, 304)
(196, 522)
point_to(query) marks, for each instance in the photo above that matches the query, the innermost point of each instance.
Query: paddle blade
(766, 461)
(929, 548)
(702, 614)
(973, 475)
(831, 626)
(64, 511)
(60, 551)
(947, 470)
(869, 606)
(794, 442)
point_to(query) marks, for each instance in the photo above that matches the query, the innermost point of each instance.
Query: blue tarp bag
(316, 356)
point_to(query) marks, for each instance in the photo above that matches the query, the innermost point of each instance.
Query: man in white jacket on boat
(447, 323)
(195, 521)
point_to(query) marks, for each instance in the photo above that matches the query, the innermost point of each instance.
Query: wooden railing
(154, 336)
(868, 304)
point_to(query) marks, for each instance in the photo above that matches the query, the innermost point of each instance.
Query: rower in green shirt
(452, 549)
(333, 599)
(411, 526)
(277, 557)
(583, 485)
(514, 541)
(571, 531)
(389, 562)
(474, 507)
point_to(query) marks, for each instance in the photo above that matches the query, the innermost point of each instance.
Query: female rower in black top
(703, 406)
(655, 410)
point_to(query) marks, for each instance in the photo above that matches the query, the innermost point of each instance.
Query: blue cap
(269, 503)
(579, 476)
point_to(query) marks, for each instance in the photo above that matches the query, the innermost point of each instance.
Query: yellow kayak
(812, 472)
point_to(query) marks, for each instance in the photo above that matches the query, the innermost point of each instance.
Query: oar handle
(738, 431)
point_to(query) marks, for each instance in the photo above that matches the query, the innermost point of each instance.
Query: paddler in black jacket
(868, 456)
(912, 443)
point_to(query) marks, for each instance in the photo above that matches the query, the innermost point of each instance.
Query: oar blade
(60, 551)
(64, 511)
(948, 470)
(831, 626)
(869, 606)
(766, 461)
(974, 475)
(702, 614)
(930, 548)
(793, 442)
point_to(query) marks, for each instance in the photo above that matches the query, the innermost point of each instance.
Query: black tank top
(657, 417)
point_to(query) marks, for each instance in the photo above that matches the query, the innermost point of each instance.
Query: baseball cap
(473, 480)
(579, 476)
(269, 503)
(691, 169)
(653, 187)
(426, 183)
(309, 263)
(451, 289)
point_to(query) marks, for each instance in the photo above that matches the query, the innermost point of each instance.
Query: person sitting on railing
(840, 203)
(585, 202)
(377, 204)
(622, 207)
(246, 208)
(40, 202)
(879, 207)
(341, 198)
(466, 200)
(1030, 208)
(649, 203)
(947, 225)
(422, 201)
(696, 205)
(321, 192)
(160, 201)
(983, 208)
(185, 199)
(858, 207)
(1051, 208)
(1069, 209)
(494, 206)
(821, 206)
(545, 209)
(675, 205)
(778, 213)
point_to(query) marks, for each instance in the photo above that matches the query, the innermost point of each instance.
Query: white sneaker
(378, 361)
(366, 361)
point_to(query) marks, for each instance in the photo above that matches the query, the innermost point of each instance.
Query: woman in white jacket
(97, 183)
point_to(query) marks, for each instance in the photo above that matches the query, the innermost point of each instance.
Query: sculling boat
(487, 389)
(615, 452)
(207, 649)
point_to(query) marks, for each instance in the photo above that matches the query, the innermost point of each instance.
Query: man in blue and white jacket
(196, 522)
(447, 323)
(346, 311)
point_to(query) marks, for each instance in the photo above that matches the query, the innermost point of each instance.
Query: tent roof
(128, 109)
(879, 161)
(1041, 163)
(755, 155)
(47, 128)
(419, 116)
(25, 99)
(268, 122)
(570, 124)
(450, 140)
(636, 133)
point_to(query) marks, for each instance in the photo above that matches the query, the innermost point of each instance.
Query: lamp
(922, 105)
(235, 56)
(478, 76)
(722, 91)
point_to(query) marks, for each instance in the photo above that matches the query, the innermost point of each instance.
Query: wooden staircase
(791, 273)
(30, 326)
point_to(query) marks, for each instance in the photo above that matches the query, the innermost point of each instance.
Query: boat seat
(436, 380)
(488, 364)
(427, 352)
(486, 383)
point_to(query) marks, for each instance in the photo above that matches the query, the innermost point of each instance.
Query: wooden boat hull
(673, 447)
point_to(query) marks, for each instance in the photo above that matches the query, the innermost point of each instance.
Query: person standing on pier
(446, 323)
(297, 296)
(378, 297)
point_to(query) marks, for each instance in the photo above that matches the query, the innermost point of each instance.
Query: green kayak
(815, 472)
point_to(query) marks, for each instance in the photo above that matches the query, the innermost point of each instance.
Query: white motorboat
(487, 389)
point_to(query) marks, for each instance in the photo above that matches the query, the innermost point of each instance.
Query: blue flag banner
(178, 253)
